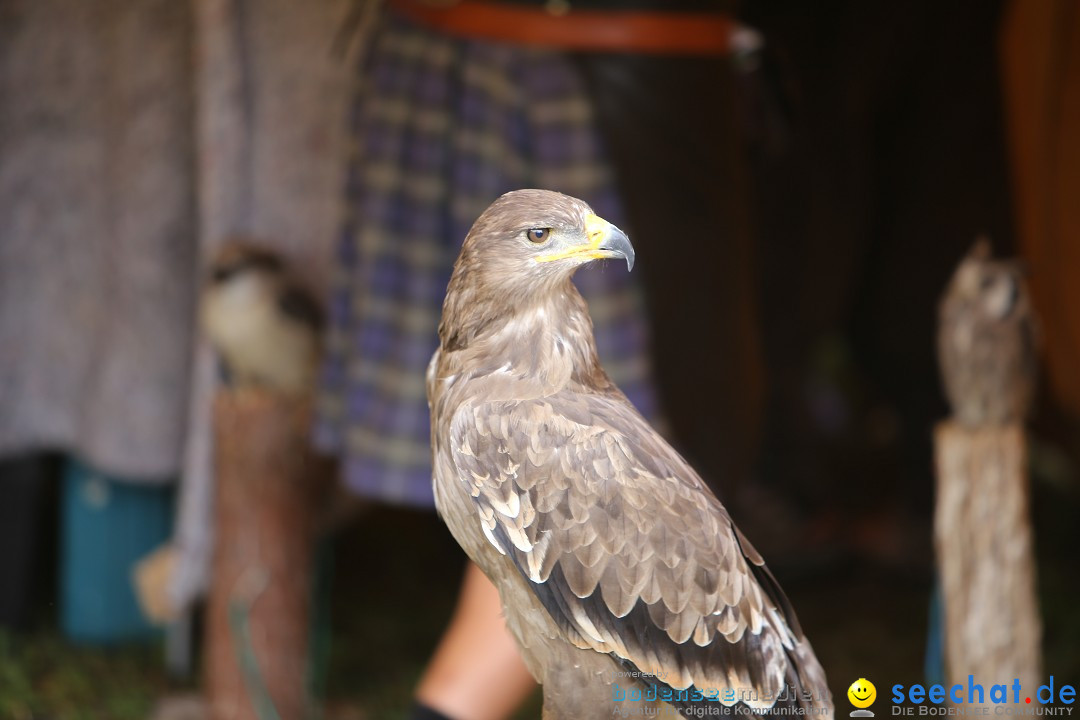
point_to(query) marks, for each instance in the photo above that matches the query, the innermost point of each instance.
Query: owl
(262, 320)
(987, 337)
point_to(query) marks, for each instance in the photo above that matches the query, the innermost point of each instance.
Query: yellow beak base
(604, 241)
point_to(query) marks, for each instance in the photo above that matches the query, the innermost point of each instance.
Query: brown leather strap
(663, 33)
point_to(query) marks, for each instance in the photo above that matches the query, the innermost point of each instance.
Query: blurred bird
(264, 323)
(619, 569)
(987, 342)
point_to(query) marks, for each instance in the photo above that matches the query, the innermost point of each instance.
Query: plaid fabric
(442, 127)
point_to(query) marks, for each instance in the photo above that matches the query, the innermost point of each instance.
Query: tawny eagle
(622, 576)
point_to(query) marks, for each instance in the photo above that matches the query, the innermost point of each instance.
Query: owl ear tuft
(981, 250)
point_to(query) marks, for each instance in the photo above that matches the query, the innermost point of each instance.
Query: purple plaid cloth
(442, 127)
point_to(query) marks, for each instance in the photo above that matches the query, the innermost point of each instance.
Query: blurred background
(853, 154)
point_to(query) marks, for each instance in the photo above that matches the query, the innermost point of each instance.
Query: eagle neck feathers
(543, 338)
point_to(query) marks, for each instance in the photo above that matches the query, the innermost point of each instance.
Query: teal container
(107, 525)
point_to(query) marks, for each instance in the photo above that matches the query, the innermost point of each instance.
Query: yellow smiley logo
(862, 693)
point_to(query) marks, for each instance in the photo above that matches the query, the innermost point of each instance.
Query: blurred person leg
(476, 672)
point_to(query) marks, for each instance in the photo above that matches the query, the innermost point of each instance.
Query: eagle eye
(538, 235)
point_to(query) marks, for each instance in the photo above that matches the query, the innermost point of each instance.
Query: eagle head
(517, 261)
(533, 238)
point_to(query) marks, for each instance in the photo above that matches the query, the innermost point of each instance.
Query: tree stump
(985, 554)
(270, 488)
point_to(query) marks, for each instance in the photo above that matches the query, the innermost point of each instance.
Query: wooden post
(269, 488)
(985, 555)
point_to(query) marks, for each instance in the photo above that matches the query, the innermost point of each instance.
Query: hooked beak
(613, 242)
(604, 241)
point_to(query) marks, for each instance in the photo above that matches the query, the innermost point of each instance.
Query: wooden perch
(270, 492)
(985, 554)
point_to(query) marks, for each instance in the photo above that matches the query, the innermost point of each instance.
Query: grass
(42, 676)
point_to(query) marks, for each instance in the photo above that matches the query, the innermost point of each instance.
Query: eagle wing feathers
(626, 547)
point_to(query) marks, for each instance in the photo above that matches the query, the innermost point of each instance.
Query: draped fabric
(97, 231)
